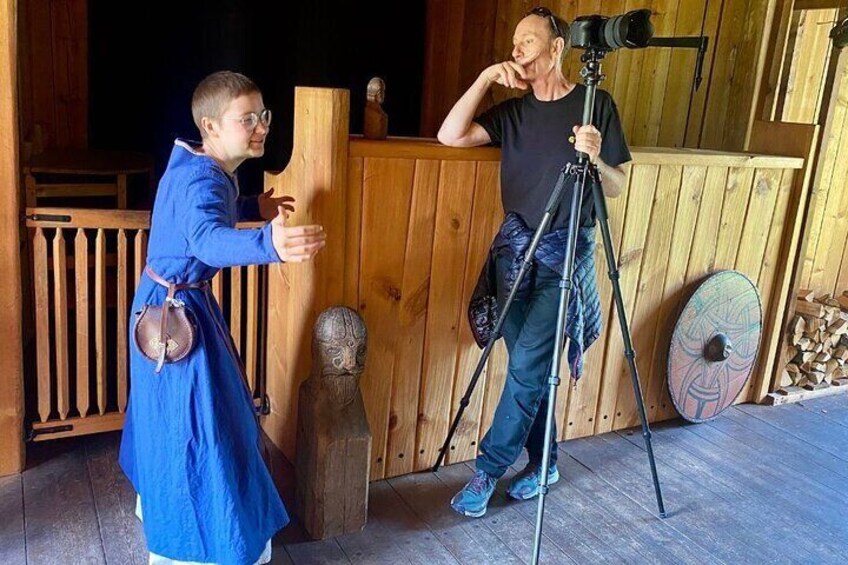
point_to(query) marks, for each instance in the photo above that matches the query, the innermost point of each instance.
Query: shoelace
(536, 472)
(480, 483)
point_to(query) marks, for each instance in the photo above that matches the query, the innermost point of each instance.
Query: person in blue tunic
(191, 440)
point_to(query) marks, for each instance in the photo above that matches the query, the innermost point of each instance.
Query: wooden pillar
(317, 177)
(11, 343)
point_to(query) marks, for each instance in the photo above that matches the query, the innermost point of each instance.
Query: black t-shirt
(534, 136)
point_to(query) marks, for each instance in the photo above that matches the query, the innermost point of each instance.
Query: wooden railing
(86, 265)
(426, 216)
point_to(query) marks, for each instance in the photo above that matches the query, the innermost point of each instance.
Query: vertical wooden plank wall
(825, 261)
(804, 86)
(738, 66)
(426, 223)
(651, 86)
(427, 216)
(54, 72)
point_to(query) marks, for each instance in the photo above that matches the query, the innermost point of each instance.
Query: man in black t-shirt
(538, 133)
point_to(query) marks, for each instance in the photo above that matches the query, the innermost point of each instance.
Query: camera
(632, 30)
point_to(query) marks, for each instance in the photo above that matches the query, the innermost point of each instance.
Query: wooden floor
(758, 485)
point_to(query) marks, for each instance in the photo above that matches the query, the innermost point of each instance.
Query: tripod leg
(646, 430)
(463, 404)
(601, 211)
(553, 384)
(565, 287)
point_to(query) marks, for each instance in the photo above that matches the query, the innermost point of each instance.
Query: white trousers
(156, 559)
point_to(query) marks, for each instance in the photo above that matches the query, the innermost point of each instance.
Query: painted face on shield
(338, 352)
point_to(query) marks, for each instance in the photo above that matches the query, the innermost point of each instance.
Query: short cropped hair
(557, 26)
(212, 95)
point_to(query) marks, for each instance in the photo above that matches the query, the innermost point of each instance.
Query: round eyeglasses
(251, 120)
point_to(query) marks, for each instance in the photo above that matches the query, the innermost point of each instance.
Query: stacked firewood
(817, 348)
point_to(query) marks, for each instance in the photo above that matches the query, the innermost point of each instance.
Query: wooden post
(317, 178)
(140, 257)
(235, 309)
(81, 287)
(252, 317)
(100, 317)
(42, 323)
(123, 323)
(60, 323)
(11, 341)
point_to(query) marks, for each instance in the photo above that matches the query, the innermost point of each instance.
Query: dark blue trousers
(529, 331)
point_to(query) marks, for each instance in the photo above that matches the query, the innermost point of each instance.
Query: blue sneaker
(525, 485)
(474, 497)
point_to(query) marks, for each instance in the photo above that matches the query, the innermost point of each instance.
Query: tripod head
(591, 71)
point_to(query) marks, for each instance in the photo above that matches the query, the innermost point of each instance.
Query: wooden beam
(71, 427)
(429, 149)
(88, 219)
(11, 340)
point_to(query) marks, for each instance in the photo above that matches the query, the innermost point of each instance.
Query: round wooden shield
(714, 346)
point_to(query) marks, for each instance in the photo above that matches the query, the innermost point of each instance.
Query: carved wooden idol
(376, 120)
(333, 438)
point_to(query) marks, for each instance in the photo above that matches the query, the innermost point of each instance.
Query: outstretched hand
(296, 244)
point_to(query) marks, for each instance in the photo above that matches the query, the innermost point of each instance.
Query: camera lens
(635, 29)
(615, 31)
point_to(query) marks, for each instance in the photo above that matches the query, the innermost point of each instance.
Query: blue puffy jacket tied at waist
(584, 320)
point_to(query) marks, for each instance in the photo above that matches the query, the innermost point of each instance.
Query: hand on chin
(529, 66)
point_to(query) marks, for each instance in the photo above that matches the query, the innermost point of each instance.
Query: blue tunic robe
(191, 442)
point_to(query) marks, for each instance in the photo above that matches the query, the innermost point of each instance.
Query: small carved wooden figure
(333, 438)
(376, 120)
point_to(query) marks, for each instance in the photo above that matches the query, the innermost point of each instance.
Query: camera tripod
(579, 174)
